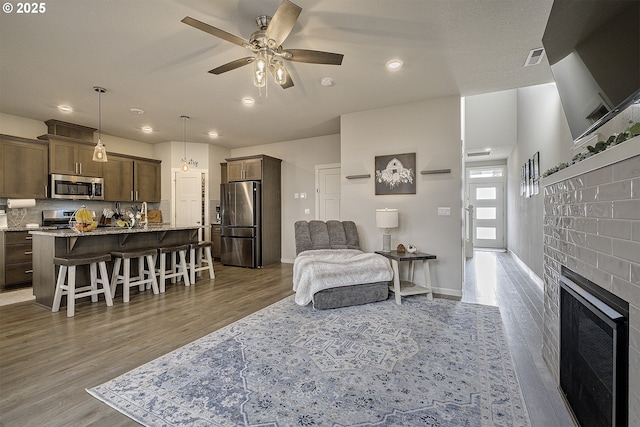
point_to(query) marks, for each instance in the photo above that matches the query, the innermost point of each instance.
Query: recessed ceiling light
(326, 81)
(248, 101)
(147, 129)
(65, 108)
(136, 110)
(394, 64)
(213, 134)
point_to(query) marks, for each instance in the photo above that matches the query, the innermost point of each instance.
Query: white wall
(299, 158)
(491, 120)
(542, 128)
(432, 130)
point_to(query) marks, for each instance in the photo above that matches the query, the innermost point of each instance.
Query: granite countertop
(102, 231)
(24, 228)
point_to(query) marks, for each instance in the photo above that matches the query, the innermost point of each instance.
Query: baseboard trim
(533, 276)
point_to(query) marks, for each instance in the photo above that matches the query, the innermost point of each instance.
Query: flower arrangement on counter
(615, 139)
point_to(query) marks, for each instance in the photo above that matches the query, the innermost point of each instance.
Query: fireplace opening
(594, 352)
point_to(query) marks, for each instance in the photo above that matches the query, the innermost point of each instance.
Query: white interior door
(488, 203)
(188, 198)
(328, 192)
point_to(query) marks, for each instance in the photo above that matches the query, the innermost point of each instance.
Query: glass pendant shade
(260, 69)
(99, 152)
(280, 73)
(184, 165)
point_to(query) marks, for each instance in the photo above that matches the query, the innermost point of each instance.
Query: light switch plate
(307, 211)
(444, 211)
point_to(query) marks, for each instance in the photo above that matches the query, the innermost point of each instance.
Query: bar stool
(176, 269)
(145, 275)
(68, 268)
(199, 255)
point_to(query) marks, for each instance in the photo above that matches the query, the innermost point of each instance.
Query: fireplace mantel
(627, 149)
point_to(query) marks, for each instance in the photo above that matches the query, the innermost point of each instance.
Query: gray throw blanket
(320, 269)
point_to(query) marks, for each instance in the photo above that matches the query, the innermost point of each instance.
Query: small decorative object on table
(411, 249)
(401, 249)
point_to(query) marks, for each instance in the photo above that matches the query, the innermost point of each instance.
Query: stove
(59, 218)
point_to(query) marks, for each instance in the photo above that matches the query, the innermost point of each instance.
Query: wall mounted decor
(395, 174)
(530, 176)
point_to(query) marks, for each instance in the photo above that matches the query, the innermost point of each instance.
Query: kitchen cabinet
(146, 180)
(131, 179)
(217, 241)
(245, 169)
(18, 259)
(24, 166)
(71, 157)
(118, 178)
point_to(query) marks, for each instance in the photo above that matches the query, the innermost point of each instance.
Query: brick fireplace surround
(592, 226)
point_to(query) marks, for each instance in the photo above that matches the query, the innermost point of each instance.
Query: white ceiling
(146, 58)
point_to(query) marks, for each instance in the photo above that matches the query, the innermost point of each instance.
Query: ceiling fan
(266, 44)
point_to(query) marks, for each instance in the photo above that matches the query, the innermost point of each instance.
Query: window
(486, 233)
(486, 213)
(486, 173)
(486, 193)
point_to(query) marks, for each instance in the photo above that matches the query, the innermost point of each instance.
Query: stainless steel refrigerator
(240, 225)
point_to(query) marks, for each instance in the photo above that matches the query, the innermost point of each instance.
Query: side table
(403, 287)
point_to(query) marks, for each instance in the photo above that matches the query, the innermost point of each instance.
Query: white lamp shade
(386, 218)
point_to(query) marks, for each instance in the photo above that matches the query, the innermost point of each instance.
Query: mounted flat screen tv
(593, 47)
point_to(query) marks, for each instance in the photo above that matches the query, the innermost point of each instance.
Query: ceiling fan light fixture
(99, 152)
(260, 69)
(280, 73)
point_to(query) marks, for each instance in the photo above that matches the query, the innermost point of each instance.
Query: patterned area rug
(424, 363)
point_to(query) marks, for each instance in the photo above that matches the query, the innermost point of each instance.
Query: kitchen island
(48, 244)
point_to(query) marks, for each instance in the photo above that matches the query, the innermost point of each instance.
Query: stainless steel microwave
(76, 187)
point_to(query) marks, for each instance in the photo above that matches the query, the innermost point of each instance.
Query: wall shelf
(434, 171)
(366, 175)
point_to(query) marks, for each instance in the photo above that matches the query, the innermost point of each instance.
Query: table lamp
(386, 218)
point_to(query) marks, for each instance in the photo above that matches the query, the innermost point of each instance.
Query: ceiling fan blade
(233, 65)
(313, 56)
(288, 83)
(214, 31)
(282, 23)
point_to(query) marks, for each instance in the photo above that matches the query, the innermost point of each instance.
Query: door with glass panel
(488, 207)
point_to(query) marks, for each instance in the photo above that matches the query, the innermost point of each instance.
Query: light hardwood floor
(48, 360)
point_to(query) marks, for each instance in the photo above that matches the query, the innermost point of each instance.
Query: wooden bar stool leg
(127, 275)
(163, 271)
(183, 267)
(207, 252)
(71, 291)
(173, 267)
(93, 274)
(192, 263)
(154, 283)
(57, 297)
(104, 280)
(114, 276)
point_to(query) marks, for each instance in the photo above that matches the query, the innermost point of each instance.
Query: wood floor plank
(48, 360)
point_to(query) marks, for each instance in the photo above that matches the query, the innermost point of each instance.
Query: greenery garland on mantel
(615, 139)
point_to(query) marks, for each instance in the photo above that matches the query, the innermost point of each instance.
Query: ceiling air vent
(535, 57)
(479, 153)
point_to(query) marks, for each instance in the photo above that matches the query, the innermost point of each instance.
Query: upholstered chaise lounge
(331, 271)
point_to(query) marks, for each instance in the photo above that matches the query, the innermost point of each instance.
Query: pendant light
(184, 166)
(99, 152)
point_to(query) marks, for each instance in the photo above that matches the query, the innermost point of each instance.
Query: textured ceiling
(146, 58)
